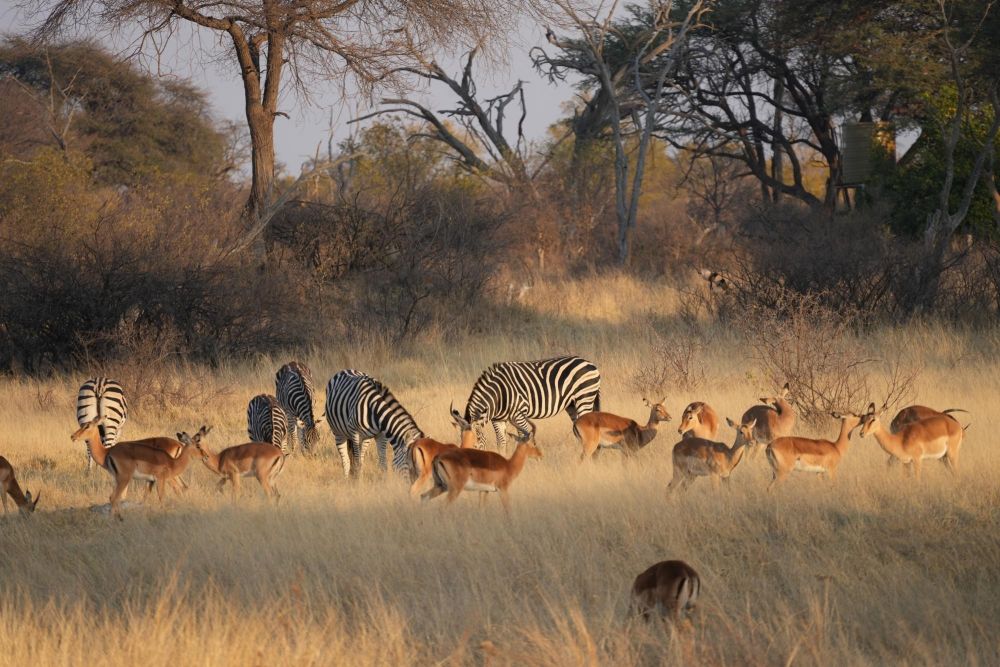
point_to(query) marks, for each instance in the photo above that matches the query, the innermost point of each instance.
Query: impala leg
(917, 463)
(482, 499)
(432, 493)
(505, 501)
(951, 462)
(119, 493)
(221, 484)
(266, 485)
(453, 493)
(160, 490)
(234, 479)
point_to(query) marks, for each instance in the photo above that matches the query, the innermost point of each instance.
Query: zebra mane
(387, 396)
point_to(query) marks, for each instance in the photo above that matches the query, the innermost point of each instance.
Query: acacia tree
(362, 41)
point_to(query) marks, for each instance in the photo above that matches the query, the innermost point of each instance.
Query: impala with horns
(134, 460)
(699, 421)
(597, 430)
(424, 450)
(698, 457)
(915, 413)
(937, 437)
(457, 470)
(252, 459)
(668, 589)
(774, 419)
(819, 456)
(10, 487)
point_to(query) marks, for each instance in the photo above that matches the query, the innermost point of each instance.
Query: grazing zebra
(266, 421)
(516, 391)
(102, 397)
(293, 385)
(359, 407)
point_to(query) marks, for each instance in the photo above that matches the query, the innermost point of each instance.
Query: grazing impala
(134, 460)
(252, 459)
(937, 437)
(698, 457)
(820, 456)
(10, 487)
(423, 451)
(775, 419)
(603, 429)
(668, 589)
(916, 413)
(699, 421)
(457, 470)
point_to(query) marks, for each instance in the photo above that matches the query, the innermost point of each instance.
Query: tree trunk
(261, 126)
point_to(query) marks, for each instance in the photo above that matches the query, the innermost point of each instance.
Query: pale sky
(196, 54)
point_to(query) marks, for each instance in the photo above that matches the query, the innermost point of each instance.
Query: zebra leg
(358, 449)
(290, 433)
(345, 455)
(302, 439)
(498, 428)
(380, 443)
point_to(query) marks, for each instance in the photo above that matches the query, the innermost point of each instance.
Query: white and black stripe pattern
(358, 408)
(102, 397)
(266, 421)
(517, 391)
(293, 387)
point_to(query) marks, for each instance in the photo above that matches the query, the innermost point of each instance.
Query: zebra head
(468, 429)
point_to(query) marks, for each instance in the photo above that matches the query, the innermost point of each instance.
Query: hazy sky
(199, 56)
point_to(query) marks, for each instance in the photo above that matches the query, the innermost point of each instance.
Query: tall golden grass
(872, 569)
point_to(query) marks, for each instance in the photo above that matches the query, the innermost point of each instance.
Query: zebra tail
(597, 401)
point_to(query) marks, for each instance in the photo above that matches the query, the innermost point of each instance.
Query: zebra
(266, 421)
(293, 386)
(359, 407)
(102, 397)
(517, 391)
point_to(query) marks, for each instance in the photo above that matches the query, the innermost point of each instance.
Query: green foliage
(914, 186)
(132, 126)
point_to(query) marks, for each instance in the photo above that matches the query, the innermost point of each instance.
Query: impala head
(29, 507)
(744, 433)
(89, 432)
(194, 440)
(849, 418)
(657, 413)
(691, 417)
(526, 440)
(468, 430)
(869, 418)
(773, 400)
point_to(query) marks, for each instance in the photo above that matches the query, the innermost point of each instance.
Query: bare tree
(344, 40)
(634, 90)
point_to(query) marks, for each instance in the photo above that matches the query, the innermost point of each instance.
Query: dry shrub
(676, 363)
(812, 347)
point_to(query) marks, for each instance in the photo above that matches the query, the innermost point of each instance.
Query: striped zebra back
(266, 421)
(357, 403)
(103, 397)
(542, 388)
(293, 387)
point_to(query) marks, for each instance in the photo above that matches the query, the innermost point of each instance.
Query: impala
(10, 487)
(775, 419)
(699, 421)
(424, 450)
(668, 589)
(916, 413)
(603, 429)
(134, 460)
(457, 470)
(937, 437)
(163, 443)
(698, 457)
(252, 459)
(820, 456)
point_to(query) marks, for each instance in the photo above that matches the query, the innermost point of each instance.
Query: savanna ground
(872, 569)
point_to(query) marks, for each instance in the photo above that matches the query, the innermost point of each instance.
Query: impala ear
(697, 410)
(750, 425)
(871, 408)
(35, 503)
(836, 415)
(646, 401)
(731, 423)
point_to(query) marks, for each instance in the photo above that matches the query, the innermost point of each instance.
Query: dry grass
(874, 569)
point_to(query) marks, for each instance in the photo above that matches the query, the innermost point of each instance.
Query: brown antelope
(134, 460)
(698, 457)
(668, 589)
(10, 487)
(775, 419)
(168, 445)
(916, 413)
(457, 470)
(820, 456)
(423, 451)
(937, 437)
(603, 429)
(252, 459)
(699, 421)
